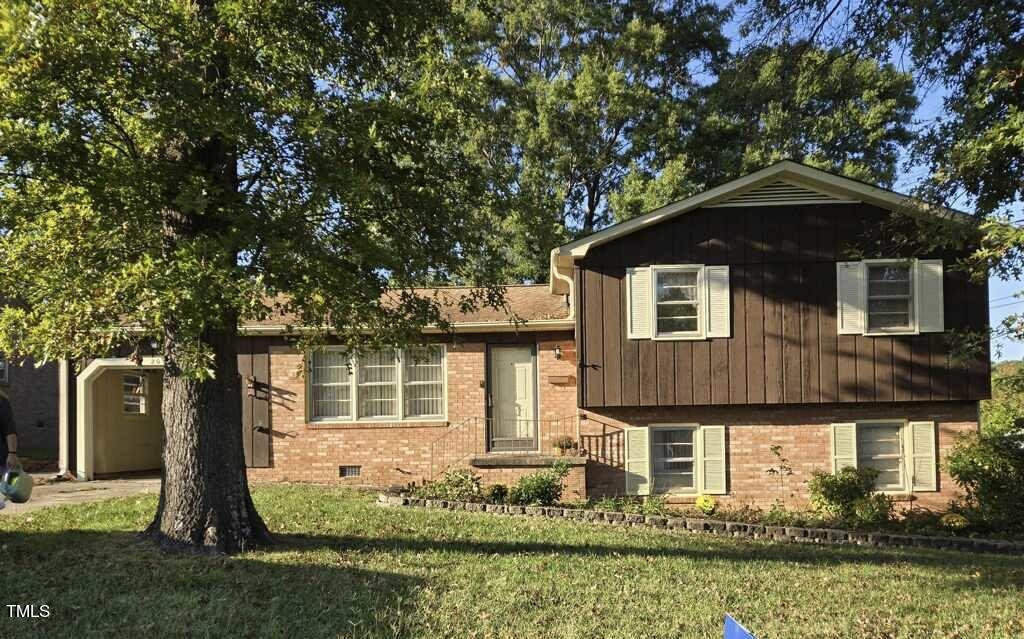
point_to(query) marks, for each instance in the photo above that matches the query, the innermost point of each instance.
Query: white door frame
(491, 388)
(84, 408)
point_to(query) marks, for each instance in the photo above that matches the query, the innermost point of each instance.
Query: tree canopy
(967, 53)
(309, 152)
(599, 111)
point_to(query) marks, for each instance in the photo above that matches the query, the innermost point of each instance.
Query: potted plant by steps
(563, 445)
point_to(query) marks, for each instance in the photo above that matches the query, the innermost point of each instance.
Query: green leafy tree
(579, 91)
(166, 168)
(826, 109)
(972, 150)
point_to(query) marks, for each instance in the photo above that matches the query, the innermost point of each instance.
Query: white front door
(513, 398)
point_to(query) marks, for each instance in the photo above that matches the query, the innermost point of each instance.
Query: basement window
(133, 387)
(349, 471)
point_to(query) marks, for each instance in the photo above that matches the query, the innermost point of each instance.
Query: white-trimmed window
(890, 297)
(423, 382)
(378, 385)
(880, 446)
(331, 385)
(133, 393)
(678, 302)
(675, 459)
(903, 452)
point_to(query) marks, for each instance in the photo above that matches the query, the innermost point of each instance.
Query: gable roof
(783, 183)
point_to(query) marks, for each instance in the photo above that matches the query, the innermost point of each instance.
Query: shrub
(921, 520)
(608, 504)
(954, 522)
(564, 443)
(873, 510)
(834, 494)
(455, 485)
(542, 488)
(990, 469)
(706, 504)
(496, 493)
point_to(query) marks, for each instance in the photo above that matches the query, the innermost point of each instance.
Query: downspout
(557, 274)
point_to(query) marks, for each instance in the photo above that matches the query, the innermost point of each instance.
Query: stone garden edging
(795, 534)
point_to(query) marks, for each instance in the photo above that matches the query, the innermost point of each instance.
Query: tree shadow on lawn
(113, 584)
(998, 571)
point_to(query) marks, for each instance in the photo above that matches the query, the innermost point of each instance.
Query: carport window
(133, 386)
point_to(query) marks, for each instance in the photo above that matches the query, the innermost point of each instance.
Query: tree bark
(205, 505)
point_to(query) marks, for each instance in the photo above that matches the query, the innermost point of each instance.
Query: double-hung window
(677, 304)
(377, 385)
(133, 393)
(673, 459)
(903, 452)
(890, 297)
(880, 446)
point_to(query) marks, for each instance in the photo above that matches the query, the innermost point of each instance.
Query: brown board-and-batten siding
(784, 347)
(254, 370)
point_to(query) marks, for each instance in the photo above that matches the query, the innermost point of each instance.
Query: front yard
(346, 567)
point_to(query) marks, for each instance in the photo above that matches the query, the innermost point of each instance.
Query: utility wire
(1007, 304)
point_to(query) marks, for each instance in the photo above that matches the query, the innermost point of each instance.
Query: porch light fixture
(558, 351)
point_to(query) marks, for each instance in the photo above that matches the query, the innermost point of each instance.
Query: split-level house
(693, 350)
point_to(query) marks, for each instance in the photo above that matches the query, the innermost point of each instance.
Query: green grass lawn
(346, 567)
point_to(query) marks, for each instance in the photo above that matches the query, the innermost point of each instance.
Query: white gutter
(525, 326)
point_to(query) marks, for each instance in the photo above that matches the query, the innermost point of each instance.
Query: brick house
(32, 391)
(682, 352)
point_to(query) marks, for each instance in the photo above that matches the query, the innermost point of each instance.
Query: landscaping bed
(722, 527)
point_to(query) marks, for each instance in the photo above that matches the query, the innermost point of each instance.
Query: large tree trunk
(205, 505)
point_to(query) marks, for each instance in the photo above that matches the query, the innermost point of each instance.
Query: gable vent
(779, 193)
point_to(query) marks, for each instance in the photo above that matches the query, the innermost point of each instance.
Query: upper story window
(688, 301)
(677, 306)
(890, 297)
(133, 393)
(378, 385)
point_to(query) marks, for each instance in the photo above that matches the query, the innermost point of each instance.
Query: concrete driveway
(77, 492)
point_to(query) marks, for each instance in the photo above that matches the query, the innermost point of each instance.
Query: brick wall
(802, 431)
(396, 454)
(399, 453)
(33, 395)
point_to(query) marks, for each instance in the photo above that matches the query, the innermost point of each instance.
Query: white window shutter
(850, 297)
(638, 461)
(922, 457)
(844, 446)
(713, 459)
(638, 302)
(718, 301)
(928, 292)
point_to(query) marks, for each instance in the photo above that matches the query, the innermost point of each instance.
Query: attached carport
(110, 421)
(118, 427)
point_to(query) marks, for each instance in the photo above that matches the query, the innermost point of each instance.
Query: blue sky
(1002, 302)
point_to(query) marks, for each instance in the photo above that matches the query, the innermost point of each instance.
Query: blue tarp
(733, 630)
